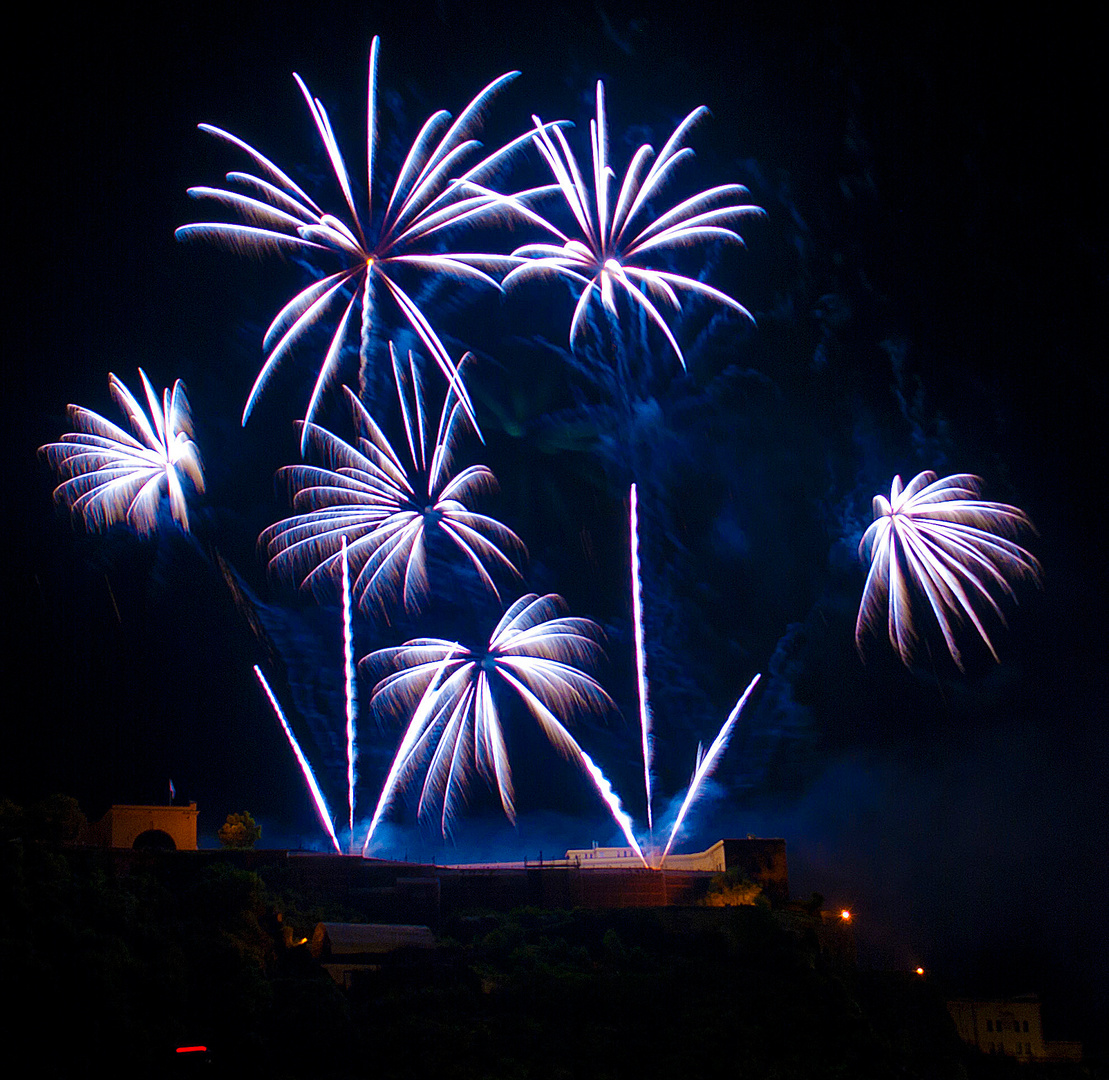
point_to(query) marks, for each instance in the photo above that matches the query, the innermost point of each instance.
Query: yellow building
(1010, 1026)
(146, 828)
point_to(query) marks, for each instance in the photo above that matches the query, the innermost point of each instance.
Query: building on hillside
(145, 828)
(347, 950)
(1009, 1026)
(761, 861)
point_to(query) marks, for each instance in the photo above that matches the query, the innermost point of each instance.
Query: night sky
(926, 285)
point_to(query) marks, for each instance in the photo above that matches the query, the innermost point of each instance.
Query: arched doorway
(154, 840)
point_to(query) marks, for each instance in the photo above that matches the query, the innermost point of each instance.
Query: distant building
(345, 950)
(145, 828)
(762, 861)
(1009, 1026)
(596, 857)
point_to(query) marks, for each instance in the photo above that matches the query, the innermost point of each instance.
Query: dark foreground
(116, 970)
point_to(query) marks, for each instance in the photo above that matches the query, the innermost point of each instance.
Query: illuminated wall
(760, 860)
(155, 827)
(1011, 1026)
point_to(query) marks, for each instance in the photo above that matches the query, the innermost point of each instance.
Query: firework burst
(111, 476)
(385, 509)
(616, 241)
(938, 538)
(370, 246)
(455, 729)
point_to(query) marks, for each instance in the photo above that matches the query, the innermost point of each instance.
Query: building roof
(344, 939)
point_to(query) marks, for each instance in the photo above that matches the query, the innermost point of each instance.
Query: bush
(240, 831)
(731, 889)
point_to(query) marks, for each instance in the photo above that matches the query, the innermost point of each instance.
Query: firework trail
(641, 656)
(348, 670)
(305, 768)
(706, 762)
(938, 538)
(610, 252)
(111, 476)
(370, 247)
(612, 801)
(385, 509)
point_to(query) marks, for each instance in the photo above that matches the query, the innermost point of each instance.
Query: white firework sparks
(706, 762)
(641, 655)
(455, 731)
(371, 246)
(306, 770)
(111, 476)
(386, 509)
(612, 801)
(349, 685)
(938, 538)
(615, 241)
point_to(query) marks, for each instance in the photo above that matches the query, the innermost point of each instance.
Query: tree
(240, 831)
(55, 820)
(732, 889)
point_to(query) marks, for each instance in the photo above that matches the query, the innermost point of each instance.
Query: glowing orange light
(920, 971)
(191, 1049)
(845, 915)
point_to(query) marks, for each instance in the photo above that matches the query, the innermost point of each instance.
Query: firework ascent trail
(612, 800)
(348, 670)
(305, 768)
(641, 657)
(706, 762)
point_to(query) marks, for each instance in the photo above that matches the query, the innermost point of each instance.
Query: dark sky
(926, 286)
